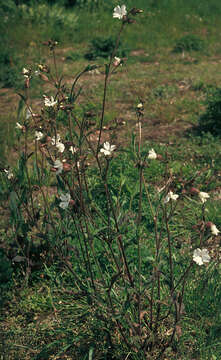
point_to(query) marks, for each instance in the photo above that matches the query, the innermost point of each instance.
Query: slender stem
(55, 65)
(170, 253)
(139, 247)
(107, 73)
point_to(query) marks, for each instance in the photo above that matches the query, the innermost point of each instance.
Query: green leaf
(21, 106)
(91, 351)
(13, 201)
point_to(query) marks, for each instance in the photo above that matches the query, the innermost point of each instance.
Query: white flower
(119, 12)
(65, 199)
(9, 173)
(214, 230)
(49, 101)
(59, 166)
(201, 256)
(171, 196)
(152, 155)
(18, 126)
(108, 149)
(140, 106)
(203, 196)
(38, 135)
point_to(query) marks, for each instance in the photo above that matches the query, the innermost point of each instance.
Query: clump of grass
(103, 47)
(54, 19)
(210, 121)
(189, 43)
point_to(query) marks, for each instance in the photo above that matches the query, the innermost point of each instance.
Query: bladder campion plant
(116, 241)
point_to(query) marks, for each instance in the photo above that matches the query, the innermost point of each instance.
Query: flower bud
(27, 83)
(130, 21)
(43, 77)
(66, 167)
(209, 224)
(48, 139)
(135, 11)
(194, 191)
(53, 169)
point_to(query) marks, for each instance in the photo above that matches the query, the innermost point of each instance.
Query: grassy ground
(40, 319)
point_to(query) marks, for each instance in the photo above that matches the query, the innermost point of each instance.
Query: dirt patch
(8, 101)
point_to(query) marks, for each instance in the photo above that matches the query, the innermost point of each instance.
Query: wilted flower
(19, 126)
(117, 61)
(72, 149)
(152, 155)
(28, 114)
(171, 196)
(213, 228)
(65, 199)
(9, 173)
(119, 12)
(55, 140)
(38, 135)
(94, 72)
(59, 145)
(201, 256)
(58, 165)
(108, 149)
(203, 196)
(49, 101)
